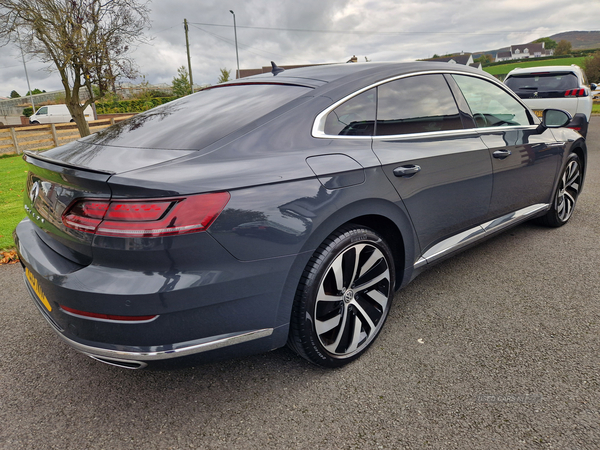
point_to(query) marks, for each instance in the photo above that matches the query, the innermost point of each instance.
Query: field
(12, 185)
(505, 68)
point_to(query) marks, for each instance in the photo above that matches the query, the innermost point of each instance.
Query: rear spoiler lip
(38, 156)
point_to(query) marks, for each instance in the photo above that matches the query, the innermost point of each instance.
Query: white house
(531, 50)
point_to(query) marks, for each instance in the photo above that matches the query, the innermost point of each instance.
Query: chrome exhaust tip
(122, 363)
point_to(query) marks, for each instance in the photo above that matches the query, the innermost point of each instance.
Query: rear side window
(418, 104)
(543, 82)
(355, 117)
(198, 120)
(490, 105)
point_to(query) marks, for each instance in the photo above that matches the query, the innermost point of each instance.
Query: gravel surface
(497, 348)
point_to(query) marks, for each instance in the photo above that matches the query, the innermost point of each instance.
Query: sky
(319, 31)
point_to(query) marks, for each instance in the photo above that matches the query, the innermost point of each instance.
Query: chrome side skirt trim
(161, 352)
(474, 234)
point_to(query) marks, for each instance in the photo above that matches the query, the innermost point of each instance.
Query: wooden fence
(40, 137)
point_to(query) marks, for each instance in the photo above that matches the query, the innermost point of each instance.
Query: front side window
(418, 104)
(490, 105)
(42, 110)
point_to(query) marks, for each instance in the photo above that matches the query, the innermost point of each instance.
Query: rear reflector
(147, 217)
(90, 315)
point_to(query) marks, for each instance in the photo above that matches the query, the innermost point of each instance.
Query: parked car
(57, 114)
(560, 87)
(284, 208)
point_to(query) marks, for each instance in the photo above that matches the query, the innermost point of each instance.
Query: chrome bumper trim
(158, 353)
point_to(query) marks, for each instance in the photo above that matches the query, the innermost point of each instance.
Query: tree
(225, 76)
(548, 43)
(34, 92)
(484, 59)
(181, 83)
(14, 94)
(563, 48)
(86, 41)
(591, 66)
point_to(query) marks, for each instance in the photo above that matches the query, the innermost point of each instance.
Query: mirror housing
(554, 118)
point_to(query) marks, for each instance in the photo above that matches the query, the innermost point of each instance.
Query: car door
(524, 161)
(441, 170)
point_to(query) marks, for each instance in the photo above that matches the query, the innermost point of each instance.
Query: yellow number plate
(37, 289)
(538, 112)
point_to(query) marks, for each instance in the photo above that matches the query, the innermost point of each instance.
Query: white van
(57, 114)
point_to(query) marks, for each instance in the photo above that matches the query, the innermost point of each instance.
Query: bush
(130, 106)
(28, 112)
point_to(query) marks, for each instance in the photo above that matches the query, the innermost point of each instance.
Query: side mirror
(593, 86)
(554, 118)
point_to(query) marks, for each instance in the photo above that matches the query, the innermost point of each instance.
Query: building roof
(533, 47)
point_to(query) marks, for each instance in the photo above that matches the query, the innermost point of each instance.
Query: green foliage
(591, 66)
(12, 186)
(181, 83)
(548, 43)
(14, 94)
(484, 59)
(34, 92)
(28, 112)
(563, 48)
(116, 106)
(225, 76)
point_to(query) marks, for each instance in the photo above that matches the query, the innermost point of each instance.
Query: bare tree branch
(87, 41)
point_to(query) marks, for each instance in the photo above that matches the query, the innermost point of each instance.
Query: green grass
(505, 68)
(12, 185)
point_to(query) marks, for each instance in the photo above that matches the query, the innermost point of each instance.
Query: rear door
(441, 170)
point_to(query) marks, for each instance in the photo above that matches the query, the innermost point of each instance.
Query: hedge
(131, 106)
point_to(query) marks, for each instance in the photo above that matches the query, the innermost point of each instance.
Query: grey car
(284, 208)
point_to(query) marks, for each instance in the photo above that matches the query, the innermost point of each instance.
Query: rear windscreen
(543, 82)
(198, 120)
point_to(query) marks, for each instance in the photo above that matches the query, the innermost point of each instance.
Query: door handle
(406, 171)
(501, 154)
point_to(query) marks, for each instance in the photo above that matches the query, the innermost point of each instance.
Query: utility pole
(187, 46)
(237, 75)
(26, 76)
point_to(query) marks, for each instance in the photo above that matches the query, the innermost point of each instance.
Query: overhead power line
(382, 33)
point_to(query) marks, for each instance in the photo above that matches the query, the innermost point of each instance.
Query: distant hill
(580, 40)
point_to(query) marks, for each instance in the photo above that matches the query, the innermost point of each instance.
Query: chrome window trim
(318, 128)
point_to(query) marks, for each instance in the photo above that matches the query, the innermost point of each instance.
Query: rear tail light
(145, 218)
(576, 93)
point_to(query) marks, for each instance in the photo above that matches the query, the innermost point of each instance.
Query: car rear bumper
(196, 311)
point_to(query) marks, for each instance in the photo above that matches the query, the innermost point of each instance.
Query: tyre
(35, 122)
(565, 197)
(343, 297)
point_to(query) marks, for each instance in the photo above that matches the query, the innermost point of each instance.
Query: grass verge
(505, 68)
(12, 185)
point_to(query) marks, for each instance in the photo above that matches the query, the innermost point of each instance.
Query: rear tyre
(565, 197)
(343, 298)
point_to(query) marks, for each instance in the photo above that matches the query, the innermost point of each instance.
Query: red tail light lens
(575, 93)
(146, 218)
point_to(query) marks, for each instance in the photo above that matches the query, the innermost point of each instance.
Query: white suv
(559, 87)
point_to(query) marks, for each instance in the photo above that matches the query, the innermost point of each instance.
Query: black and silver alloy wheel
(568, 190)
(344, 297)
(565, 197)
